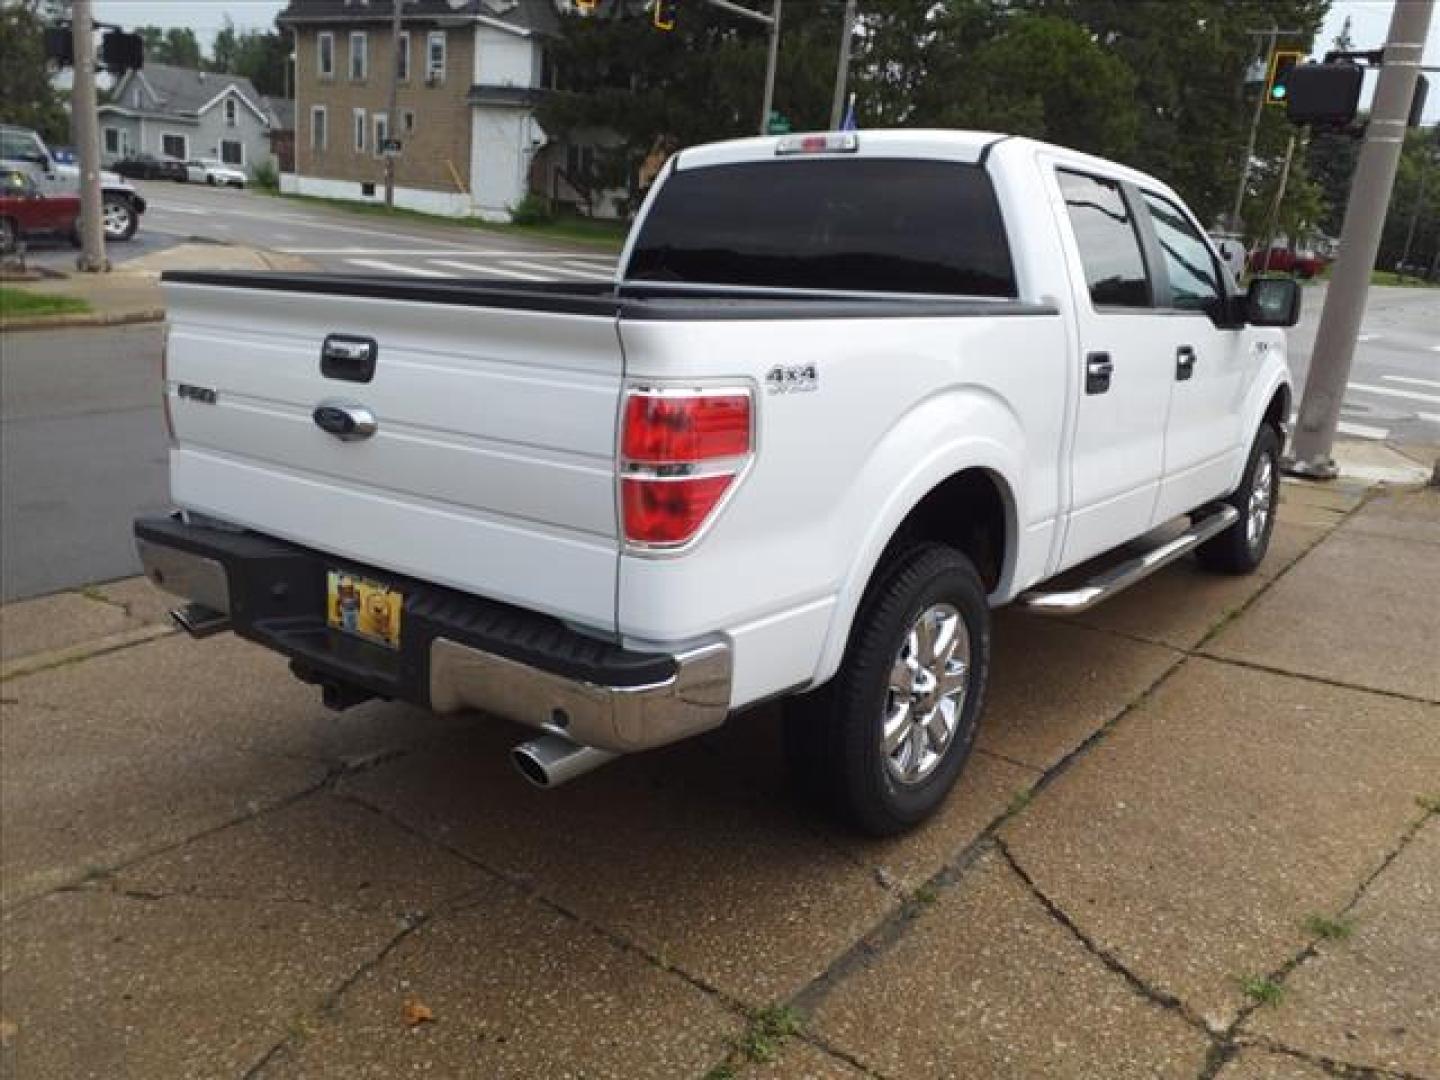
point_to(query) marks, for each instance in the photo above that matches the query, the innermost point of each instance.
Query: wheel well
(1277, 413)
(967, 512)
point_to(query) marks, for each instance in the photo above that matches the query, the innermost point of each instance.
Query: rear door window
(855, 225)
(1109, 244)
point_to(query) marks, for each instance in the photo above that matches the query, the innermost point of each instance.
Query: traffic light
(665, 14)
(60, 45)
(121, 52)
(586, 7)
(1323, 93)
(1277, 84)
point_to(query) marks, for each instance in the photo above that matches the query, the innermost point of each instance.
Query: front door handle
(1098, 369)
(1184, 363)
(346, 420)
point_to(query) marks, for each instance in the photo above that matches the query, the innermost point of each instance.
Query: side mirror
(1272, 301)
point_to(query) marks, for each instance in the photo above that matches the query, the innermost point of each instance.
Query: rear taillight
(681, 452)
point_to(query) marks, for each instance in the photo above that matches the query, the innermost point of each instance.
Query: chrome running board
(1105, 585)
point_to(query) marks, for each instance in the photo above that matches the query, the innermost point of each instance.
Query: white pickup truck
(847, 393)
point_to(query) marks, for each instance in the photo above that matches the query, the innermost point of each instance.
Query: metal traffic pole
(770, 63)
(87, 141)
(1360, 242)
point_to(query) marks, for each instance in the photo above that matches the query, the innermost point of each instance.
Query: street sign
(778, 124)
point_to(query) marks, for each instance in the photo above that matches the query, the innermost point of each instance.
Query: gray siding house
(173, 112)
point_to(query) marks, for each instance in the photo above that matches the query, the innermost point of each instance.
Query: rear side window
(858, 225)
(1109, 245)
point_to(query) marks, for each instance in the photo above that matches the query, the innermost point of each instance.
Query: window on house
(382, 132)
(359, 55)
(232, 152)
(175, 146)
(359, 131)
(232, 109)
(407, 122)
(112, 140)
(325, 55)
(402, 56)
(435, 56)
(319, 136)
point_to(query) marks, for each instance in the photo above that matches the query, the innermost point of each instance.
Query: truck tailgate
(491, 467)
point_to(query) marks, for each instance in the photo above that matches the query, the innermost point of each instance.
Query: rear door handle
(348, 358)
(1184, 363)
(1098, 369)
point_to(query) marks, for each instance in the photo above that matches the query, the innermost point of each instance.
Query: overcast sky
(1370, 19)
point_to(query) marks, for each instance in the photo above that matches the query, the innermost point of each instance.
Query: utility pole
(1360, 241)
(392, 118)
(1272, 220)
(87, 140)
(1271, 37)
(842, 69)
(770, 63)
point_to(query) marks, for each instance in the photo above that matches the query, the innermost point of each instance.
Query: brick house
(471, 73)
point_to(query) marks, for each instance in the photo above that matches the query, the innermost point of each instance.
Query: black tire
(118, 217)
(1242, 547)
(833, 737)
(210, 180)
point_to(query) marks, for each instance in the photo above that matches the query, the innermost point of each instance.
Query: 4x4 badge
(796, 379)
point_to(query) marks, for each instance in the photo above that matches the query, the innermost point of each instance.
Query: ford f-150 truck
(847, 393)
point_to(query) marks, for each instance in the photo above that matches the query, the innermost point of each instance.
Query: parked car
(150, 167)
(1304, 264)
(852, 391)
(214, 173)
(25, 211)
(122, 205)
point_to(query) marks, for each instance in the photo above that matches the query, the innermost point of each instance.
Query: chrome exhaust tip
(200, 621)
(552, 760)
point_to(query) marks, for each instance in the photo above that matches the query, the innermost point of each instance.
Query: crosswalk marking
(484, 269)
(1411, 395)
(607, 265)
(1361, 431)
(397, 268)
(591, 273)
(1429, 417)
(1412, 382)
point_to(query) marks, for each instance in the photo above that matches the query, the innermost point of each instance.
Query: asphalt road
(82, 451)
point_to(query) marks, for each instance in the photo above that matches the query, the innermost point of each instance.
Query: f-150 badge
(792, 380)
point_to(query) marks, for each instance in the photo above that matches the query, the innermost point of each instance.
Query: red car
(24, 211)
(1283, 260)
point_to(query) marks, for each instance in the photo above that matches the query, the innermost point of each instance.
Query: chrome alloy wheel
(116, 218)
(926, 694)
(1262, 492)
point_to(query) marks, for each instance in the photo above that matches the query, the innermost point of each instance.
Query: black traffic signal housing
(665, 14)
(121, 52)
(1326, 94)
(1417, 103)
(1277, 82)
(60, 45)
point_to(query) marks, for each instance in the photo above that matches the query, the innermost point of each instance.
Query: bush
(531, 210)
(266, 175)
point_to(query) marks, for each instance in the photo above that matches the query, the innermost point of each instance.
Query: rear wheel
(118, 217)
(885, 741)
(1241, 547)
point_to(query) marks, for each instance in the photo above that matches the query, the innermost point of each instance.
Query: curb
(60, 322)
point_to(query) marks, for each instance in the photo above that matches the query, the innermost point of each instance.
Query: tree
(26, 96)
(177, 46)
(223, 53)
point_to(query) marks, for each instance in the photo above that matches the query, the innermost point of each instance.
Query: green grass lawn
(1386, 277)
(607, 234)
(19, 304)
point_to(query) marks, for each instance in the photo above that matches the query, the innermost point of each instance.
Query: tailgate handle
(349, 358)
(345, 420)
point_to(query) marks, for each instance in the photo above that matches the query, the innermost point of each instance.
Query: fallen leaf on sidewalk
(416, 1013)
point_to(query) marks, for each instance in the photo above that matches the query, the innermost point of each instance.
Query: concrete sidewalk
(131, 291)
(1199, 838)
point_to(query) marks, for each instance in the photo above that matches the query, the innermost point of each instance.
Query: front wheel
(118, 217)
(886, 740)
(1241, 547)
